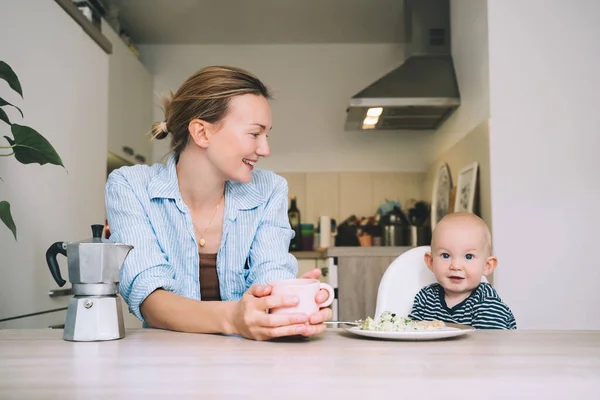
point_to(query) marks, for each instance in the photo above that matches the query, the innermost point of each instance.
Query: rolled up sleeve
(270, 258)
(146, 267)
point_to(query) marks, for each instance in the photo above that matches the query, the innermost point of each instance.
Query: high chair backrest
(402, 280)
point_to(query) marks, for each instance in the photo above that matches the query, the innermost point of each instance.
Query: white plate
(443, 333)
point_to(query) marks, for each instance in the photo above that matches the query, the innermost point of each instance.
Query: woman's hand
(250, 317)
(324, 314)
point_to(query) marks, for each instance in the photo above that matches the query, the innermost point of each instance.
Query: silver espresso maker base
(94, 318)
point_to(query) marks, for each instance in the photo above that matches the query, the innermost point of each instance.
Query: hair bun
(161, 135)
(160, 130)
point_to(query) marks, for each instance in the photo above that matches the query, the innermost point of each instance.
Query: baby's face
(459, 256)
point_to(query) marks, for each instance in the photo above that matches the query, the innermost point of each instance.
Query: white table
(160, 364)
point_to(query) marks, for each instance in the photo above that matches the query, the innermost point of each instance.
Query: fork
(352, 323)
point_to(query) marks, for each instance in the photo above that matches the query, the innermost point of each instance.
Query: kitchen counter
(310, 255)
(376, 251)
(350, 251)
(151, 363)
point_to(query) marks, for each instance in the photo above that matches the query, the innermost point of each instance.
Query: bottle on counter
(296, 225)
(377, 231)
(106, 230)
(308, 232)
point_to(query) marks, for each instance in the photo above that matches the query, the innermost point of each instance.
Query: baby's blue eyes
(447, 256)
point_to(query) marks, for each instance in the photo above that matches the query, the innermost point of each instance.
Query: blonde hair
(206, 96)
(465, 216)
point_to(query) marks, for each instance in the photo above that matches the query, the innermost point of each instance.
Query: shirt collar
(244, 196)
(164, 184)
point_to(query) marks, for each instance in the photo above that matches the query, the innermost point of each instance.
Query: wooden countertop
(375, 251)
(350, 251)
(151, 363)
(310, 255)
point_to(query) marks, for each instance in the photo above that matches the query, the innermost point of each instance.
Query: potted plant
(26, 144)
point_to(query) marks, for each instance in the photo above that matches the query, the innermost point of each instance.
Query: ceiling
(261, 21)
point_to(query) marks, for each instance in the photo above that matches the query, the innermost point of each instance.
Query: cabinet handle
(140, 158)
(60, 292)
(128, 150)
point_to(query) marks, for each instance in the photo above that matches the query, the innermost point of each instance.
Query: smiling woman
(208, 226)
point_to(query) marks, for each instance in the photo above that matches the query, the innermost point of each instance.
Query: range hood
(422, 92)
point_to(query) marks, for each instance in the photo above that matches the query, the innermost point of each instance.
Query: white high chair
(402, 280)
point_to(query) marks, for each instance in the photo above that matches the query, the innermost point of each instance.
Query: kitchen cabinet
(130, 103)
(305, 265)
(130, 320)
(358, 283)
(53, 319)
(359, 272)
(309, 260)
(57, 320)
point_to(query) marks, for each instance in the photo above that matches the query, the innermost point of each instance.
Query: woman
(207, 226)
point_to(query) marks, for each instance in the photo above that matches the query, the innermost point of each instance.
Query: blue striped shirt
(483, 309)
(145, 209)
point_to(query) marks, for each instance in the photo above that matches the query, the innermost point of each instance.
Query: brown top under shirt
(209, 280)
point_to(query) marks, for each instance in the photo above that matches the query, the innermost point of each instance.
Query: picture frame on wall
(466, 188)
(442, 188)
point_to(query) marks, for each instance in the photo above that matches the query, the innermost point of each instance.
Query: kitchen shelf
(86, 25)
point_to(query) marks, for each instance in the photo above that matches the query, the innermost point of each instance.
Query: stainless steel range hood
(423, 91)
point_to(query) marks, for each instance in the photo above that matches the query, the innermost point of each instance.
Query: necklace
(202, 242)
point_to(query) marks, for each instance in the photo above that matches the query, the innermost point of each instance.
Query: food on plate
(391, 322)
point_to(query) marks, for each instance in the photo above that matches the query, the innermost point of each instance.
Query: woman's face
(240, 139)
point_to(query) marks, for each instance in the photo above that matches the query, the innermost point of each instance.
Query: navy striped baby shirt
(483, 309)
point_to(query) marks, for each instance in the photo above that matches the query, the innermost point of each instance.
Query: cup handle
(329, 300)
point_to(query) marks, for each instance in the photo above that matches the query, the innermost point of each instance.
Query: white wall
(545, 169)
(468, 31)
(64, 75)
(312, 85)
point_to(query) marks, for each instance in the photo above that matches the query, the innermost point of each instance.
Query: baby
(461, 253)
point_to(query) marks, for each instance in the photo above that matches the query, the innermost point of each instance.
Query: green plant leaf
(6, 217)
(3, 116)
(31, 147)
(9, 76)
(6, 103)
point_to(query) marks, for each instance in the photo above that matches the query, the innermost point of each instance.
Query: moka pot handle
(51, 253)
